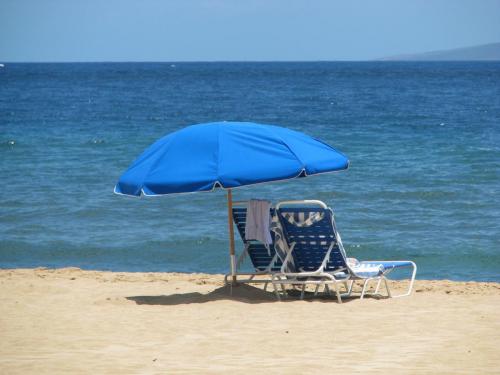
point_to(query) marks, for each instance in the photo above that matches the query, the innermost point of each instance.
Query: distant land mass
(484, 52)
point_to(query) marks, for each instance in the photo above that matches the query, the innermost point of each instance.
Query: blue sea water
(423, 141)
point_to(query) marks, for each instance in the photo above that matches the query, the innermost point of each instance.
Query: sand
(74, 321)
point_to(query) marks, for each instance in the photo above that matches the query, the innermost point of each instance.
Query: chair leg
(351, 287)
(276, 290)
(339, 299)
(316, 290)
(348, 286)
(378, 286)
(265, 286)
(365, 284)
(283, 289)
(387, 288)
(344, 283)
(412, 281)
(302, 291)
(327, 289)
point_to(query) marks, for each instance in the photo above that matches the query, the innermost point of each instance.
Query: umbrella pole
(231, 235)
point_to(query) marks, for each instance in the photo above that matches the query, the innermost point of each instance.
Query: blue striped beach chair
(265, 260)
(315, 254)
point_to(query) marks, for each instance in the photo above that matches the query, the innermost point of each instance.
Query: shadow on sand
(242, 293)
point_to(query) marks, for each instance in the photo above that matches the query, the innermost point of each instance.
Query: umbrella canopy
(226, 155)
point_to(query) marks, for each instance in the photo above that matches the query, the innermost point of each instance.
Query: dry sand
(74, 321)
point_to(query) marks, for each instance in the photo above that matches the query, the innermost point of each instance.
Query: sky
(239, 30)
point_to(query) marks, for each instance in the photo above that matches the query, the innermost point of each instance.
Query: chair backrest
(312, 239)
(260, 256)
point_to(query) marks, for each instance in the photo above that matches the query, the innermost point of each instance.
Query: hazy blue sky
(206, 30)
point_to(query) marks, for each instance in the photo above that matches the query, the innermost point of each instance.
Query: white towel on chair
(365, 270)
(257, 221)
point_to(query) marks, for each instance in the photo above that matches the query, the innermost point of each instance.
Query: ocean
(423, 141)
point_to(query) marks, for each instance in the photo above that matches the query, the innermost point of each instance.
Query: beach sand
(74, 321)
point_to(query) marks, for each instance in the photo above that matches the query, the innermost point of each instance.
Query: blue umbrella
(226, 155)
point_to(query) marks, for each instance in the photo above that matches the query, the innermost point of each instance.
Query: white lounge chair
(317, 257)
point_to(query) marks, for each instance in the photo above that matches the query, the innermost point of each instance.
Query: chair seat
(368, 270)
(388, 264)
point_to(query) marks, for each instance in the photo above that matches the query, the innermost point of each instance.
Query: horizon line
(381, 60)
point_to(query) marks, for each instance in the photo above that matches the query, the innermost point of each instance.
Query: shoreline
(68, 269)
(138, 276)
(70, 320)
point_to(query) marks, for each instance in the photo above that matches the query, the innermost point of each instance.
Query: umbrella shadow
(242, 293)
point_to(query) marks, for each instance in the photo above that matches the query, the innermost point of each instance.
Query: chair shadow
(242, 293)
